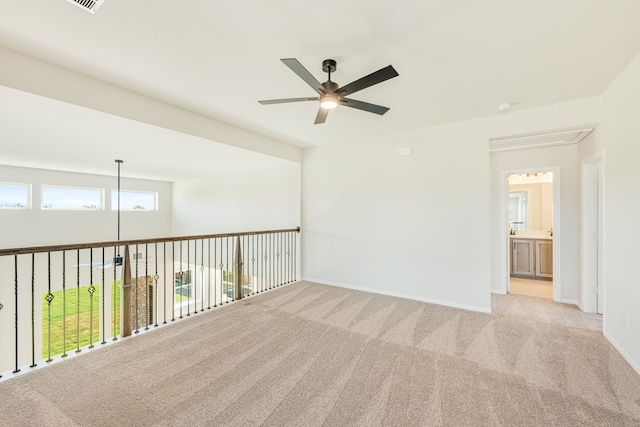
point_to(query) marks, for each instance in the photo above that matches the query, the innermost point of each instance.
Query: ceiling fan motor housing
(329, 65)
(330, 86)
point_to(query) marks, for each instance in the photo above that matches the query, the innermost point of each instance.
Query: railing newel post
(125, 295)
(237, 270)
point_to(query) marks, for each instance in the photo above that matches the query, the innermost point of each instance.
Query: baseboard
(400, 295)
(498, 292)
(569, 301)
(634, 364)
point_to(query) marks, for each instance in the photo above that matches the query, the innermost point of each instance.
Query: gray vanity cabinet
(532, 258)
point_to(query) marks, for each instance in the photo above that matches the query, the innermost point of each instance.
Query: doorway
(530, 212)
(530, 215)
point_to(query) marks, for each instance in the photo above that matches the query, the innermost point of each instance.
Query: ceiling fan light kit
(329, 101)
(330, 94)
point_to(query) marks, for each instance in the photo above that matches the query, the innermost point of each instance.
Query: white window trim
(99, 208)
(114, 205)
(29, 197)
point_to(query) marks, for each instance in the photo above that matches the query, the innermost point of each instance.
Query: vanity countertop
(534, 235)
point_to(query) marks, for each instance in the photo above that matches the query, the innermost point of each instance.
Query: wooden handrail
(73, 246)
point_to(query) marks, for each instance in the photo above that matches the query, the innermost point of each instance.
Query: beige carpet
(313, 355)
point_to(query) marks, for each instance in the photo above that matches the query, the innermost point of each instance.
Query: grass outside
(74, 317)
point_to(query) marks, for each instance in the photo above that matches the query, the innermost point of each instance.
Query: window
(182, 285)
(71, 198)
(15, 196)
(134, 200)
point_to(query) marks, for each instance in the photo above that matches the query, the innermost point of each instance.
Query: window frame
(114, 203)
(101, 207)
(29, 201)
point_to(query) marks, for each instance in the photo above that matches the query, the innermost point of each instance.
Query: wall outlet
(419, 277)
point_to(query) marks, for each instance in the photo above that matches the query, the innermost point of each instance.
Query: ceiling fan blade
(379, 76)
(304, 74)
(365, 106)
(322, 116)
(285, 100)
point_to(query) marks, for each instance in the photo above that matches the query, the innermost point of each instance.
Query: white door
(599, 236)
(593, 237)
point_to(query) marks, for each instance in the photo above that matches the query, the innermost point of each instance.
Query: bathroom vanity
(532, 256)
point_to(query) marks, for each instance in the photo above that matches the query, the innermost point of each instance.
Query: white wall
(619, 134)
(375, 221)
(37, 227)
(262, 200)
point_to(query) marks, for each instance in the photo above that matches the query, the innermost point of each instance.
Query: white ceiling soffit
(88, 5)
(546, 139)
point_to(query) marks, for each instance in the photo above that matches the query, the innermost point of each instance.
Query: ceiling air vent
(88, 5)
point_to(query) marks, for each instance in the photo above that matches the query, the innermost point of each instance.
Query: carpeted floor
(313, 355)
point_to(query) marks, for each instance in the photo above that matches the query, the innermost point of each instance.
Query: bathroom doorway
(530, 215)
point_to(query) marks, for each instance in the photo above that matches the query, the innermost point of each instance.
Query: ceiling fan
(330, 95)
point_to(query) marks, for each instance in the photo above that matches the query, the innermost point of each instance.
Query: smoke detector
(88, 5)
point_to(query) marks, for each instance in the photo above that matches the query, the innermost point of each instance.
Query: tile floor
(532, 288)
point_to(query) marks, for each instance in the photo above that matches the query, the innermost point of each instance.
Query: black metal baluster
(209, 274)
(164, 267)
(291, 260)
(272, 260)
(33, 311)
(201, 274)
(78, 301)
(243, 247)
(247, 250)
(192, 280)
(114, 286)
(15, 257)
(156, 277)
(64, 305)
(280, 258)
(137, 280)
(173, 280)
(49, 298)
(262, 261)
(288, 253)
(91, 290)
(295, 257)
(102, 296)
(215, 276)
(222, 288)
(181, 274)
(229, 273)
(253, 265)
(146, 287)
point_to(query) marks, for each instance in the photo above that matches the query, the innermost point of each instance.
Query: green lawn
(70, 319)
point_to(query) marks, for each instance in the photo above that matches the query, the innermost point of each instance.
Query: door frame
(505, 254)
(592, 215)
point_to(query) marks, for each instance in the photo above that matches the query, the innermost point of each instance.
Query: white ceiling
(456, 59)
